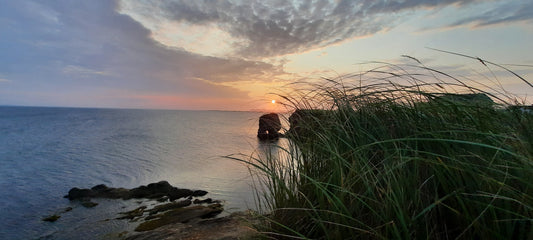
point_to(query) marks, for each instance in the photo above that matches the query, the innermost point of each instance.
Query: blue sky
(230, 55)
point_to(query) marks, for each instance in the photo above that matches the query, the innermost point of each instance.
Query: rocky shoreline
(180, 214)
(235, 226)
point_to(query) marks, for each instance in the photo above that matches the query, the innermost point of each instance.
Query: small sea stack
(269, 126)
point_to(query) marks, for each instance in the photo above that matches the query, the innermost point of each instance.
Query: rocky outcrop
(190, 218)
(235, 226)
(152, 191)
(186, 211)
(170, 206)
(303, 122)
(179, 215)
(269, 126)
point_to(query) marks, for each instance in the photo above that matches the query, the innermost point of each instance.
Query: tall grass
(394, 153)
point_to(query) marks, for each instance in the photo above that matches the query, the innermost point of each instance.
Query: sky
(237, 54)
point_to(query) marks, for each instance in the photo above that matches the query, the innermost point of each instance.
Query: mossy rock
(179, 215)
(133, 213)
(89, 204)
(169, 206)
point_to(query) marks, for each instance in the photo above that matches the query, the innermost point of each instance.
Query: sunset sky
(231, 54)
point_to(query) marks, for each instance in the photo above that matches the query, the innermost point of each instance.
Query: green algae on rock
(179, 215)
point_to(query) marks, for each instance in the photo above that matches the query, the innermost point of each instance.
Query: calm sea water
(46, 151)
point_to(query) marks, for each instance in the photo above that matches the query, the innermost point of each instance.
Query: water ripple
(46, 151)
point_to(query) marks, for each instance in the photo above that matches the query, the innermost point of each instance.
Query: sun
(273, 101)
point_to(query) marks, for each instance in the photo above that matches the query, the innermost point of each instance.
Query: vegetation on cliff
(401, 152)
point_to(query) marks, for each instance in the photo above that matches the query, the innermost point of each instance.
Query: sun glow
(273, 101)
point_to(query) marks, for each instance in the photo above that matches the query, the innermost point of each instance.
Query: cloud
(261, 29)
(77, 70)
(173, 48)
(89, 49)
(500, 13)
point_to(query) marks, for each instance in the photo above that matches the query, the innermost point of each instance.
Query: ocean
(45, 151)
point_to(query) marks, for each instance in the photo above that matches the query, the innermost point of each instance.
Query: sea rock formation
(152, 191)
(303, 122)
(269, 126)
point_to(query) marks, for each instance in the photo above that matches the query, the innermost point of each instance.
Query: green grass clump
(401, 155)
